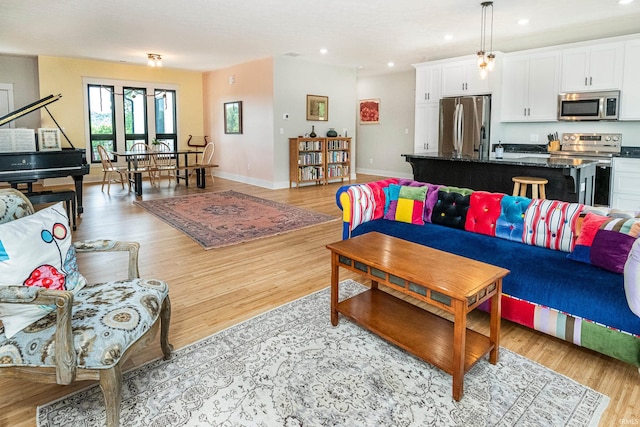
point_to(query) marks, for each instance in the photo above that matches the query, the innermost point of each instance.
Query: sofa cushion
(483, 213)
(36, 250)
(510, 223)
(406, 203)
(550, 224)
(431, 199)
(451, 207)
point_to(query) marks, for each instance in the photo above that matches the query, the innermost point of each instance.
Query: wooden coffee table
(450, 282)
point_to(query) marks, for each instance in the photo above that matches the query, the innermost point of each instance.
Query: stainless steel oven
(599, 147)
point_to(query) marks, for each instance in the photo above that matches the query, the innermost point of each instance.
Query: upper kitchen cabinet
(596, 67)
(630, 93)
(530, 85)
(462, 77)
(428, 83)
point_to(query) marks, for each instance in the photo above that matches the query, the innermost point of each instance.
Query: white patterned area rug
(290, 367)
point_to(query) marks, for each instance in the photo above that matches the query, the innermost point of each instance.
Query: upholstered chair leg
(165, 319)
(111, 385)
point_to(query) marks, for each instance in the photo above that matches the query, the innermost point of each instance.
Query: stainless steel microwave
(589, 106)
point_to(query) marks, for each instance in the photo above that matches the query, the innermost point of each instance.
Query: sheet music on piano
(17, 140)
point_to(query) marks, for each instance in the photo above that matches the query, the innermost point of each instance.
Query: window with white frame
(121, 114)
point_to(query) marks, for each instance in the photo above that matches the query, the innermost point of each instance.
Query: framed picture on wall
(49, 139)
(317, 107)
(233, 117)
(369, 111)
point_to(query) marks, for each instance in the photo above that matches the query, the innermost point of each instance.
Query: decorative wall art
(369, 111)
(317, 107)
(233, 117)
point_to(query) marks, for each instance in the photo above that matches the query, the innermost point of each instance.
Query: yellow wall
(64, 76)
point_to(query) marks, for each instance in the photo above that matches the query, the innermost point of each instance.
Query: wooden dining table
(135, 171)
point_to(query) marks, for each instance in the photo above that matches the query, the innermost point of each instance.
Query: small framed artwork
(317, 107)
(233, 117)
(369, 111)
(49, 139)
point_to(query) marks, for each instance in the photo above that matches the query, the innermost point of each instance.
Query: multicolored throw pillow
(36, 250)
(605, 242)
(406, 204)
(550, 224)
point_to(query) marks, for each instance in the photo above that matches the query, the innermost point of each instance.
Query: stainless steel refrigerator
(465, 123)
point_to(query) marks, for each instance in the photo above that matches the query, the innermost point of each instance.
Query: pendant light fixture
(154, 60)
(486, 59)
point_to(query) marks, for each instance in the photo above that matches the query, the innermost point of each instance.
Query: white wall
(294, 79)
(22, 72)
(380, 146)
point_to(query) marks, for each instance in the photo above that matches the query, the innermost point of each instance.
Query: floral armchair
(56, 327)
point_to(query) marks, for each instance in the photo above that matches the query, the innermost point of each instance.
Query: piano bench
(67, 196)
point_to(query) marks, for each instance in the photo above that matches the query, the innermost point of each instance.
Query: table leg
(137, 178)
(374, 284)
(334, 288)
(459, 347)
(186, 170)
(496, 314)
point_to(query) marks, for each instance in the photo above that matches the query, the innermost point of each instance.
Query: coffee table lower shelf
(424, 334)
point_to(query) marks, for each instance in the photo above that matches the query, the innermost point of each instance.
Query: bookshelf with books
(319, 160)
(338, 159)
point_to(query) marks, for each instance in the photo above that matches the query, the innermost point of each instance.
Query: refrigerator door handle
(461, 128)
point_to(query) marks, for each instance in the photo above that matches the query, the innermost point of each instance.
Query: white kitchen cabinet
(427, 127)
(428, 83)
(630, 93)
(625, 191)
(591, 68)
(462, 77)
(530, 85)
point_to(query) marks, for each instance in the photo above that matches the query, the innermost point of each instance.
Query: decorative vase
(331, 133)
(313, 132)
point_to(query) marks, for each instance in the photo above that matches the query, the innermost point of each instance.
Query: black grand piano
(27, 167)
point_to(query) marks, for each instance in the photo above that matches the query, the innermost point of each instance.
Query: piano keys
(28, 167)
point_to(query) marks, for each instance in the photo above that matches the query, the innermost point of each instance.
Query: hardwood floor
(212, 290)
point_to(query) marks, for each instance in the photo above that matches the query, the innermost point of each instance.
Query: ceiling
(206, 35)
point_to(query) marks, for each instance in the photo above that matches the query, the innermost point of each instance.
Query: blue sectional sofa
(562, 283)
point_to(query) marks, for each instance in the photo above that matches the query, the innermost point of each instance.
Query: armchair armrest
(63, 301)
(113, 246)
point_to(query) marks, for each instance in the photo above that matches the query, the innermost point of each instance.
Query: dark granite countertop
(632, 152)
(521, 161)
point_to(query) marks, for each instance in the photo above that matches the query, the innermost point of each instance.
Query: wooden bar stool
(537, 186)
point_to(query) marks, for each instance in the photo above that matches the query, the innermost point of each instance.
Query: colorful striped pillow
(550, 224)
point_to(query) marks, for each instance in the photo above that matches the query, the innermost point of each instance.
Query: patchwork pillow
(590, 225)
(550, 224)
(632, 278)
(431, 199)
(406, 203)
(36, 250)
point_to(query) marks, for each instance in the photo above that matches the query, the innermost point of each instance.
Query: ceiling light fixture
(154, 60)
(486, 60)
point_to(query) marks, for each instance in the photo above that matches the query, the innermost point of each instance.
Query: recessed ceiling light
(448, 37)
(523, 21)
(390, 64)
(625, 1)
(323, 51)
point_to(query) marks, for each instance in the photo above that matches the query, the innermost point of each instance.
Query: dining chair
(165, 161)
(110, 171)
(145, 161)
(58, 328)
(206, 161)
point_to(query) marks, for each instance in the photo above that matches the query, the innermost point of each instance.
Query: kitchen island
(571, 180)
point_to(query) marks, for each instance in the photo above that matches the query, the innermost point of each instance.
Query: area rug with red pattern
(226, 218)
